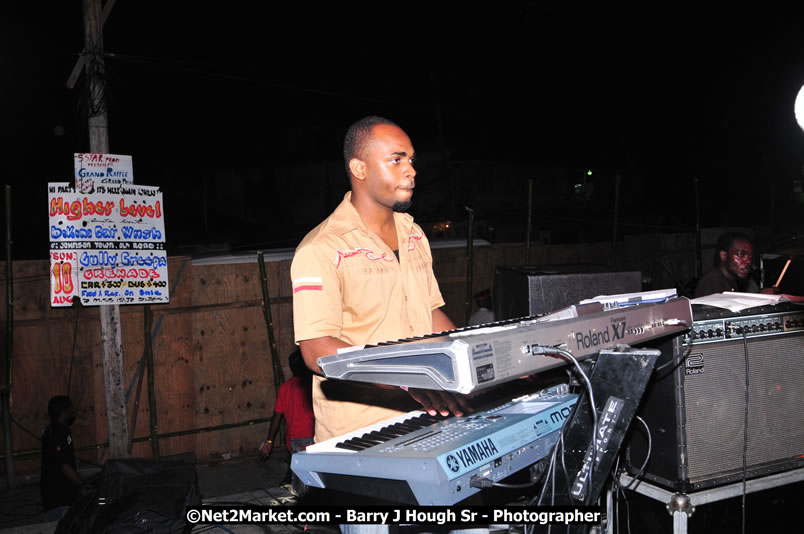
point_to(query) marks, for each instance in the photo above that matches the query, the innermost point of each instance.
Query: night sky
(491, 95)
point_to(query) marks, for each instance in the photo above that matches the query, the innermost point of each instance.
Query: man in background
(294, 405)
(732, 268)
(59, 483)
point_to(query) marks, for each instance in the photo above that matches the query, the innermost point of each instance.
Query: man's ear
(358, 168)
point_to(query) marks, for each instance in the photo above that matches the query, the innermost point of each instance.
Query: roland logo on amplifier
(694, 364)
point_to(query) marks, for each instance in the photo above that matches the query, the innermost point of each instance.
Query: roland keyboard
(464, 361)
(418, 459)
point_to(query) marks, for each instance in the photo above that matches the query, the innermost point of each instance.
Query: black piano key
(403, 427)
(428, 419)
(349, 446)
(394, 432)
(409, 425)
(414, 423)
(385, 436)
(424, 419)
(389, 434)
(421, 423)
(370, 439)
(357, 442)
(377, 437)
(367, 441)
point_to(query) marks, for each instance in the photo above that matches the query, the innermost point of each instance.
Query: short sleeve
(317, 297)
(56, 447)
(282, 398)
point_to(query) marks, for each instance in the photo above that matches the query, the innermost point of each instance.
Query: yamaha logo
(477, 452)
(453, 464)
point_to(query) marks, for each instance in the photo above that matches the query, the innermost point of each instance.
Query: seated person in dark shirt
(732, 268)
(60, 483)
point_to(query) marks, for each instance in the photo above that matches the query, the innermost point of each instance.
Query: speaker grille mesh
(715, 401)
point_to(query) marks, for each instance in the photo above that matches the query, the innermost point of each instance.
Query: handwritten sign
(93, 170)
(107, 247)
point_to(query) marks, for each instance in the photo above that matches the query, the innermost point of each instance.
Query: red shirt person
(294, 405)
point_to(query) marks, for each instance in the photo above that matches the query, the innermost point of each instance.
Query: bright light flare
(799, 108)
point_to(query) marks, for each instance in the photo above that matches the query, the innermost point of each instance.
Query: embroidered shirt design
(412, 240)
(370, 254)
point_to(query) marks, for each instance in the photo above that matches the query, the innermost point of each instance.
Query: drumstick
(786, 265)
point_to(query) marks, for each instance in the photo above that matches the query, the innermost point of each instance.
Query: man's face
(390, 176)
(738, 261)
(68, 416)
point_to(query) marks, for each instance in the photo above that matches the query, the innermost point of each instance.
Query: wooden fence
(213, 375)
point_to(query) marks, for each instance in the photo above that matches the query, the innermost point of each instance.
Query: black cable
(627, 514)
(550, 474)
(588, 384)
(506, 485)
(647, 455)
(616, 488)
(620, 492)
(675, 361)
(563, 463)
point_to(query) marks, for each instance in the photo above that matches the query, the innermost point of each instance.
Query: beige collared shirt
(348, 284)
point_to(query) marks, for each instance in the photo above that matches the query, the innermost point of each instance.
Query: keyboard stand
(682, 505)
(619, 379)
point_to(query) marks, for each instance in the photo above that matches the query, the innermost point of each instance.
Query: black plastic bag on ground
(135, 495)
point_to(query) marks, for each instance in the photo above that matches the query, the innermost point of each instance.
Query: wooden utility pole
(5, 393)
(113, 370)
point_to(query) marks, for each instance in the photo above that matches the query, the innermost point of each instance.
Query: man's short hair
(57, 406)
(358, 136)
(726, 241)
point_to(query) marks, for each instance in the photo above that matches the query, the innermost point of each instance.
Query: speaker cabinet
(697, 411)
(520, 291)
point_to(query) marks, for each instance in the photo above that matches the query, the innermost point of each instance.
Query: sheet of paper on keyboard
(736, 301)
(631, 299)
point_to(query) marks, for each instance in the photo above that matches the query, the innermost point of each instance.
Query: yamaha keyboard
(419, 459)
(464, 361)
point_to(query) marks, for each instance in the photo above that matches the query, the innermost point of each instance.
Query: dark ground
(246, 480)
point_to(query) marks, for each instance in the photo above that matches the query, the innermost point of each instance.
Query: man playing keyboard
(364, 275)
